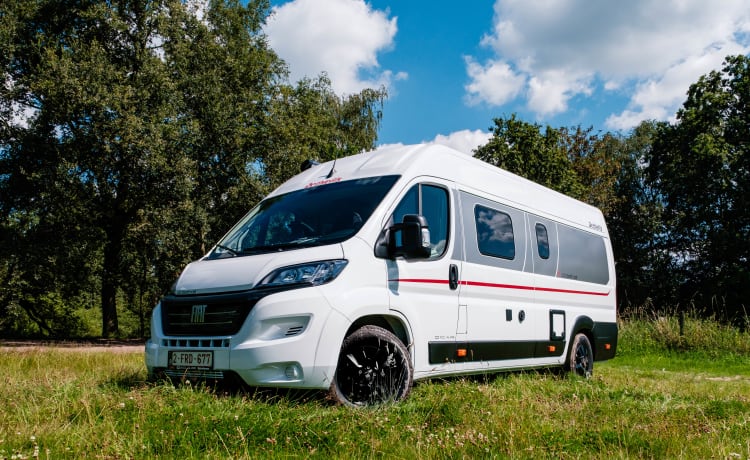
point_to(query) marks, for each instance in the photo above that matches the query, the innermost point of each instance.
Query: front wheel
(374, 367)
(581, 359)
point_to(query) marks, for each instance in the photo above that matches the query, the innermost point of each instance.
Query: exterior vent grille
(194, 374)
(294, 330)
(195, 343)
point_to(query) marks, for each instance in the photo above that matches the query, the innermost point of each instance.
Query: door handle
(453, 277)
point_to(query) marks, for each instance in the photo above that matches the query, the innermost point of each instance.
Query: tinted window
(583, 256)
(435, 209)
(542, 241)
(432, 203)
(494, 233)
(409, 205)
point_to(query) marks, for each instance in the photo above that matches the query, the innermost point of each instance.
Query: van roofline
(468, 173)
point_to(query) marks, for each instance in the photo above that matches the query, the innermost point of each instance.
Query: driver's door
(426, 290)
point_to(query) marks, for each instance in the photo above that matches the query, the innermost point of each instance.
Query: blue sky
(451, 67)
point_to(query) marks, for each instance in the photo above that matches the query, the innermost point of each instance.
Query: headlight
(314, 274)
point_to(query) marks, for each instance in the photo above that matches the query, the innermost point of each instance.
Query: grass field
(664, 396)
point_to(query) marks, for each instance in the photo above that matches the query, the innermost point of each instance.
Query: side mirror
(409, 239)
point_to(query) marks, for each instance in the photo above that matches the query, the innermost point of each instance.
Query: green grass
(664, 396)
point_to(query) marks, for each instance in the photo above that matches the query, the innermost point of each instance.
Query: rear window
(583, 256)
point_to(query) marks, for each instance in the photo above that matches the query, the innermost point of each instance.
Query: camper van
(364, 274)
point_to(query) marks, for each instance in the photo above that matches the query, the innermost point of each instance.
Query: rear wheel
(581, 360)
(374, 367)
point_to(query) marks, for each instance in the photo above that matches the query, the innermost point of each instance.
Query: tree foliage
(701, 167)
(523, 148)
(575, 161)
(676, 196)
(604, 170)
(133, 133)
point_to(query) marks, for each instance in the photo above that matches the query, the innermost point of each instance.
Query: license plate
(191, 359)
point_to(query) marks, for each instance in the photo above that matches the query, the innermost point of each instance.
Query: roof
(470, 174)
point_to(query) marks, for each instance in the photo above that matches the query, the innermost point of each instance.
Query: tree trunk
(110, 325)
(111, 273)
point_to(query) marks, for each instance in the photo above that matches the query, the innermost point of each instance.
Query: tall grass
(663, 397)
(646, 331)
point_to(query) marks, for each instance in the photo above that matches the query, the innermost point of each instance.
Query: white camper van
(364, 274)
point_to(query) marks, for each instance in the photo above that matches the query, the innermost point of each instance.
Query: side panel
(526, 282)
(504, 323)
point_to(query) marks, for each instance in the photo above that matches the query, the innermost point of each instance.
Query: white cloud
(659, 98)
(339, 37)
(494, 83)
(464, 141)
(568, 48)
(550, 91)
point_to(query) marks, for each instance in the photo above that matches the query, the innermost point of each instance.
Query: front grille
(209, 315)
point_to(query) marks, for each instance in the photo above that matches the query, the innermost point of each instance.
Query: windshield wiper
(299, 243)
(230, 250)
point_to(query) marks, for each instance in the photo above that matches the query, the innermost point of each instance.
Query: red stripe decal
(501, 286)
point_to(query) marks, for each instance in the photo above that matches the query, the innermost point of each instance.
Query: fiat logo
(198, 314)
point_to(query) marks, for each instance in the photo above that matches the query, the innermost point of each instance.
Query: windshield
(313, 216)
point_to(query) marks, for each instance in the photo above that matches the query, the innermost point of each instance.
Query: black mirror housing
(414, 241)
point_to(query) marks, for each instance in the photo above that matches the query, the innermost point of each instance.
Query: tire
(374, 367)
(581, 357)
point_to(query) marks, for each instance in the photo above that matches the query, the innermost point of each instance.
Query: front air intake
(203, 316)
(212, 319)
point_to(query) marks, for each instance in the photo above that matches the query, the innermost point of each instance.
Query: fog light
(293, 372)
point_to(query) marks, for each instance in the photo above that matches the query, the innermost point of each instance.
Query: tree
(311, 122)
(152, 128)
(523, 149)
(701, 167)
(607, 171)
(102, 145)
(645, 271)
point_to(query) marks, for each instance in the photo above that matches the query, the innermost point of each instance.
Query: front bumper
(280, 344)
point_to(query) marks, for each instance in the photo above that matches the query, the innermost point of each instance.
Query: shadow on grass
(126, 380)
(234, 387)
(490, 377)
(229, 388)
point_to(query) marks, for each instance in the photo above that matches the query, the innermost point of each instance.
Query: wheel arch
(585, 325)
(393, 324)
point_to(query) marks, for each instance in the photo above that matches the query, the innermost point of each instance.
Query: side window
(542, 241)
(546, 251)
(431, 202)
(583, 256)
(494, 233)
(408, 205)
